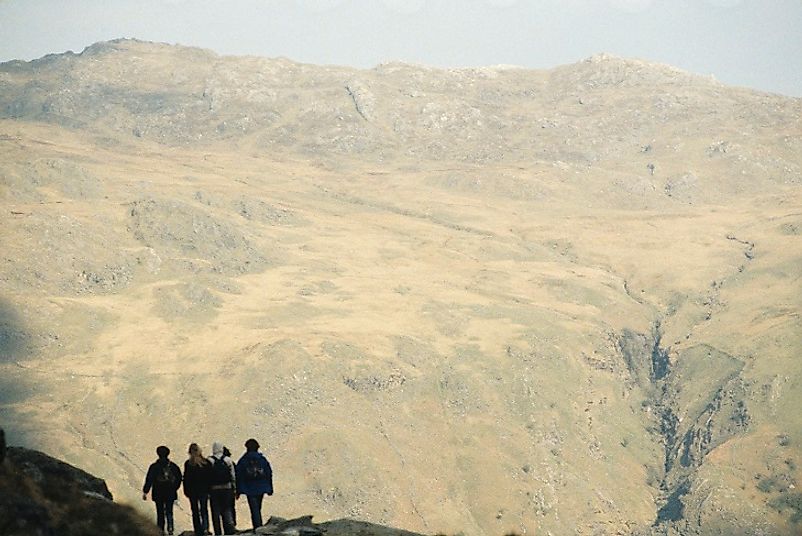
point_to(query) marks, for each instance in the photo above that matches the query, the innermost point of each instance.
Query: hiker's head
(195, 454)
(252, 445)
(226, 452)
(162, 451)
(217, 449)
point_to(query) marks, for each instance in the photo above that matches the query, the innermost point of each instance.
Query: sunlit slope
(475, 300)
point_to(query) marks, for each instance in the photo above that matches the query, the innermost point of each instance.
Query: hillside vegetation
(476, 300)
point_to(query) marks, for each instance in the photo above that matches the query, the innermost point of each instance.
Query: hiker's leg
(194, 505)
(168, 514)
(215, 500)
(255, 505)
(227, 514)
(160, 515)
(204, 512)
(233, 509)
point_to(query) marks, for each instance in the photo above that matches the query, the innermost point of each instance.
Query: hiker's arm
(269, 476)
(238, 470)
(178, 476)
(148, 484)
(233, 472)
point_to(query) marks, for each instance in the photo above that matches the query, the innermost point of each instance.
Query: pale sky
(752, 43)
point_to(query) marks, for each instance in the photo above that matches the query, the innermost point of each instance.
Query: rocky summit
(470, 300)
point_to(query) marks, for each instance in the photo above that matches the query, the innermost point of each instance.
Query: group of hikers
(215, 481)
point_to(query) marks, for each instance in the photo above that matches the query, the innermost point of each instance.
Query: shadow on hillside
(14, 347)
(13, 338)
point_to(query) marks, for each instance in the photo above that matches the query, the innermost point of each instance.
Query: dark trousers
(164, 510)
(200, 513)
(234, 510)
(255, 505)
(221, 500)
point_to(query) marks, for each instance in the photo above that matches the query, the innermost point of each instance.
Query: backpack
(221, 473)
(254, 469)
(165, 477)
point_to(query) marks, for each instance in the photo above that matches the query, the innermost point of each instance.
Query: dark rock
(43, 496)
(19, 516)
(297, 526)
(44, 469)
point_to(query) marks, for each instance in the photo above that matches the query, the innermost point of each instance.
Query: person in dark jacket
(164, 478)
(197, 481)
(254, 479)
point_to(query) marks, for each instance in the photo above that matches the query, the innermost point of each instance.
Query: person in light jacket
(223, 486)
(234, 497)
(254, 479)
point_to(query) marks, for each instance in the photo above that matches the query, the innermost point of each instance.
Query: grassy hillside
(470, 300)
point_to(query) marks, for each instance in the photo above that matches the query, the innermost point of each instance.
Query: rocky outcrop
(364, 101)
(698, 401)
(303, 526)
(43, 496)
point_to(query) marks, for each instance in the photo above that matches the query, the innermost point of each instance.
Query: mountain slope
(467, 300)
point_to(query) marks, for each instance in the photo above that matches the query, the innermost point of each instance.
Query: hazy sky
(754, 43)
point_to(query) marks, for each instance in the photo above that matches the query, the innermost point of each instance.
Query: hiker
(222, 490)
(164, 477)
(227, 453)
(2, 446)
(254, 479)
(197, 480)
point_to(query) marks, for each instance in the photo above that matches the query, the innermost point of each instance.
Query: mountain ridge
(124, 43)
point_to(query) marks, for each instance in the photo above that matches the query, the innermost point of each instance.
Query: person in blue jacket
(254, 479)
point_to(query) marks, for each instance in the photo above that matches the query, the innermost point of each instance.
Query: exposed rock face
(593, 112)
(303, 526)
(40, 495)
(47, 471)
(468, 300)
